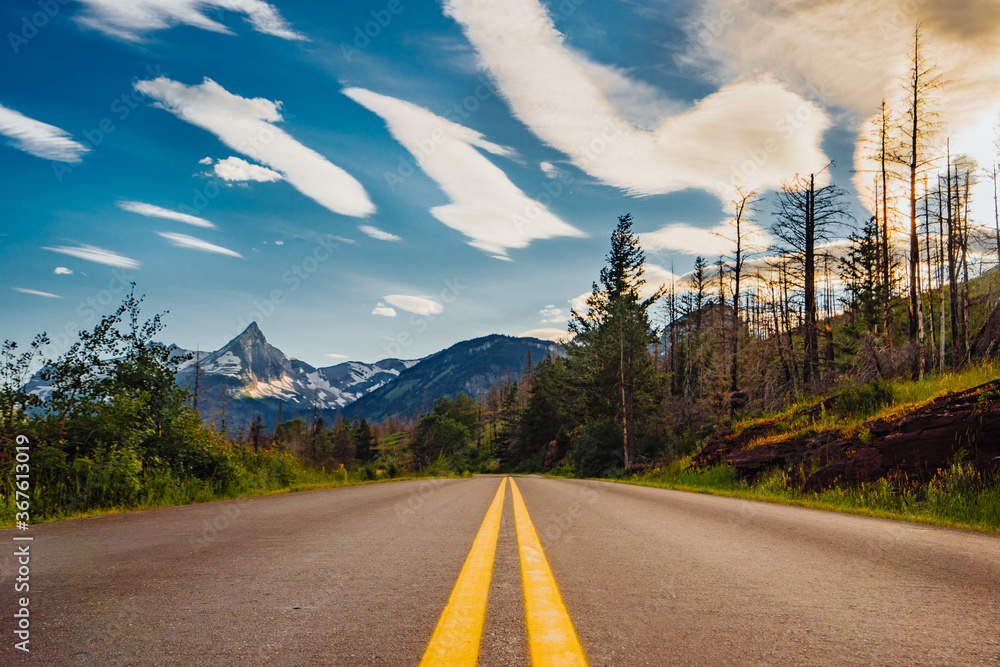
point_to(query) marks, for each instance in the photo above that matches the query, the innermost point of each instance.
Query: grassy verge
(263, 474)
(958, 497)
(867, 402)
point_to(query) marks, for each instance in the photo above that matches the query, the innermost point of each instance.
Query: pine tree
(363, 441)
(609, 356)
(860, 270)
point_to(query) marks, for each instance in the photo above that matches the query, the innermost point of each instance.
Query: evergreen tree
(609, 357)
(363, 442)
(860, 271)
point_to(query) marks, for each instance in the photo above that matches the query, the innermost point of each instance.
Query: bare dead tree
(919, 123)
(806, 215)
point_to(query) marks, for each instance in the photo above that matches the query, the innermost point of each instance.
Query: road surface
(635, 576)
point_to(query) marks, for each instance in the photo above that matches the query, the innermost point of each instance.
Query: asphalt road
(360, 576)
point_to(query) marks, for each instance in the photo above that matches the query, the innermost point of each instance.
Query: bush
(864, 400)
(598, 449)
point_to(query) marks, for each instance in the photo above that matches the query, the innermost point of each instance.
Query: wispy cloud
(547, 333)
(238, 169)
(39, 139)
(249, 126)
(415, 304)
(712, 242)
(185, 241)
(551, 314)
(97, 255)
(63, 271)
(24, 290)
(383, 310)
(379, 234)
(333, 355)
(486, 206)
(153, 211)
(577, 107)
(131, 19)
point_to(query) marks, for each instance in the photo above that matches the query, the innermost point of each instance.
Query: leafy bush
(596, 453)
(864, 400)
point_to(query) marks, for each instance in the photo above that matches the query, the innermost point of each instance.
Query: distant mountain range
(472, 366)
(248, 377)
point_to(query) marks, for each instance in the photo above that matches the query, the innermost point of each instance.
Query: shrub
(598, 449)
(864, 400)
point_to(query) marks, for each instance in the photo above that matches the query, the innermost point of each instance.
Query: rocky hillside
(914, 444)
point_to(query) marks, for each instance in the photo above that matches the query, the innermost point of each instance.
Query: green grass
(906, 395)
(956, 498)
(163, 490)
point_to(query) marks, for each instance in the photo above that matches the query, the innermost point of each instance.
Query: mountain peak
(252, 331)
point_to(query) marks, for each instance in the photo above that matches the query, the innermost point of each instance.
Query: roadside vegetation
(116, 433)
(957, 497)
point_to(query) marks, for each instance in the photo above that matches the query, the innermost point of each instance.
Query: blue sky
(387, 178)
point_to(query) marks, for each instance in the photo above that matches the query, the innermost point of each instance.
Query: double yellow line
(551, 637)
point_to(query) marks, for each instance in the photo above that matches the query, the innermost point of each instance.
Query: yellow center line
(456, 637)
(551, 636)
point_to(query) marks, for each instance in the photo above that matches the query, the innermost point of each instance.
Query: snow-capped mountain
(249, 367)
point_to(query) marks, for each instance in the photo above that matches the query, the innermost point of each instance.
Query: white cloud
(486, 206)
(551, 314)
(383, 310)
(333, 355)
(415, 304)
(98, 255)
(596, 116)
(185, 241)
(548, 333)
(279, 243)
(238, 169)
(379, 234)
(851, 54)
(63, 271)
(691, 240)
(152, 211)
(39, 139)
(24, 290)
(248, 126)
(205, 161)
(130, 19)
(549, 169)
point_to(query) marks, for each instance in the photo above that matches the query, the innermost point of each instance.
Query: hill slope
(471, 366)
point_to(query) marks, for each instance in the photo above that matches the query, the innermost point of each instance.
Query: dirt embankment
(915, 444)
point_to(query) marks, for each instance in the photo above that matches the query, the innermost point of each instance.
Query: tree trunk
(811, 351)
